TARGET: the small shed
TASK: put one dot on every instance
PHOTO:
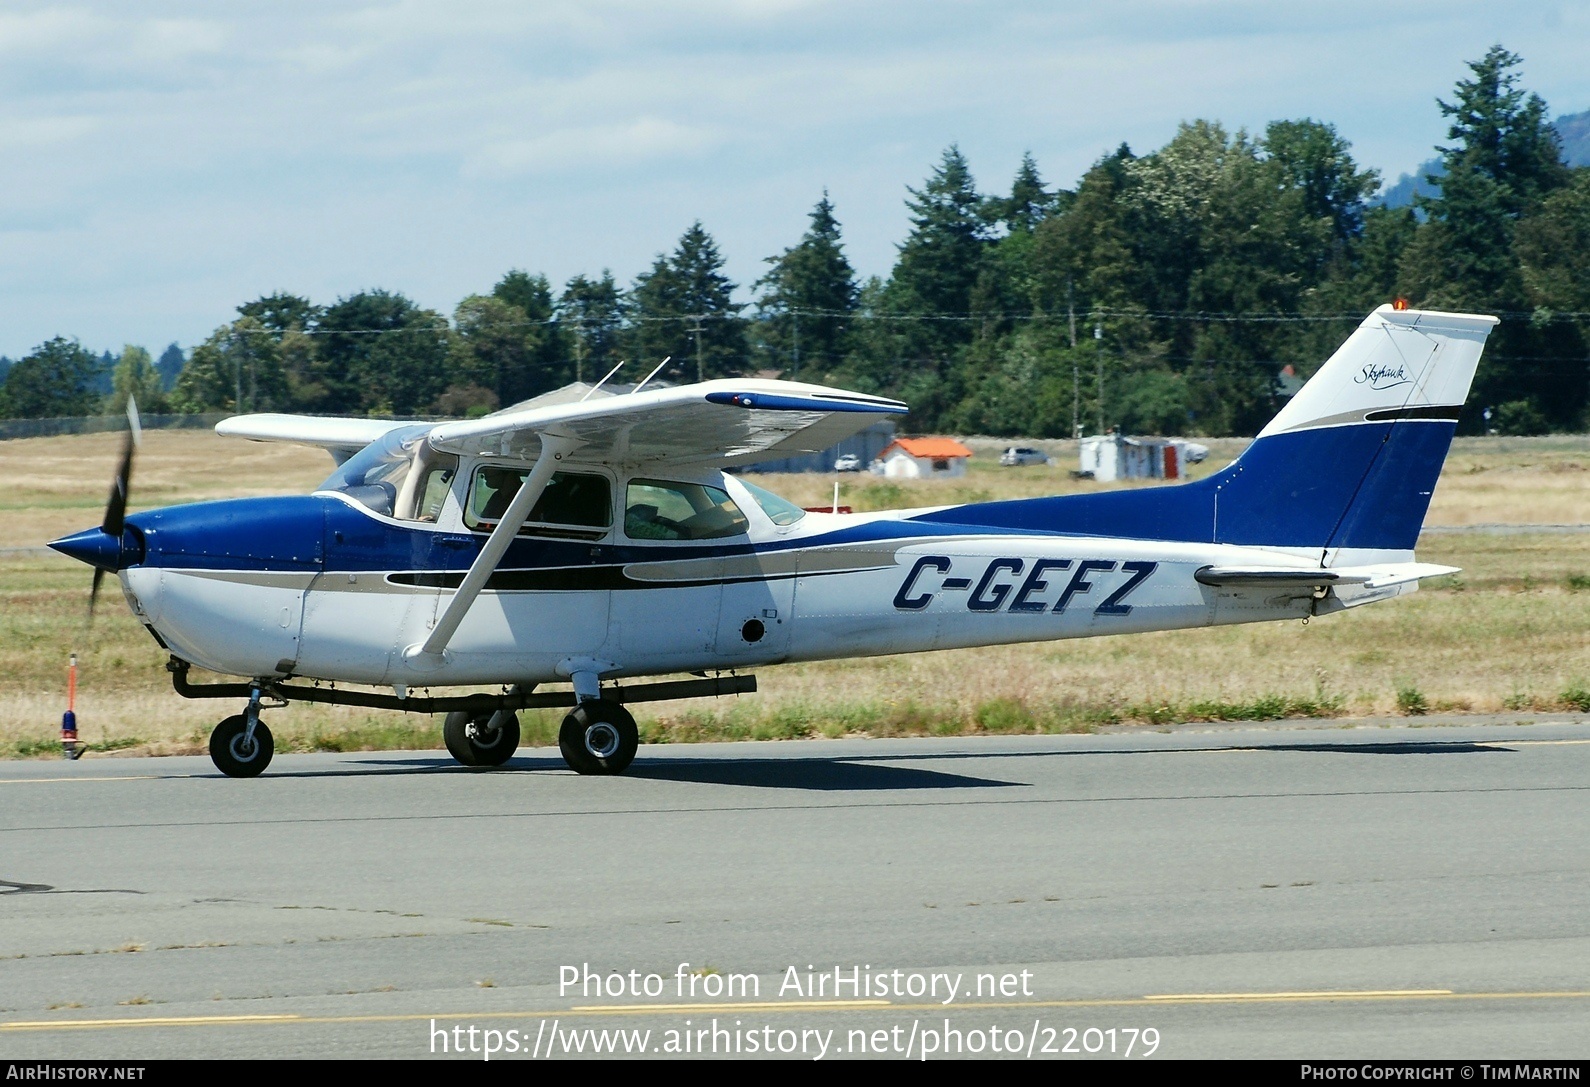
(1107, 457)
(923, 458)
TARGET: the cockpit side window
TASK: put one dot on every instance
(578, 504)
(432, 493)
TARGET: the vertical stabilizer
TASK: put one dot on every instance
(1343, 473)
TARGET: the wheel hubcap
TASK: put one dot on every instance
(601, 740)
(243, 748)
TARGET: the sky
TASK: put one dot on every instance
(163, 162)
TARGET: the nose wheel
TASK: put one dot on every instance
(482, 739)
(241, 752)
(241, 746)
(598, 737)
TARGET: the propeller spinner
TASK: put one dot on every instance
(110, 546)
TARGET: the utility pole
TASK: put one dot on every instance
(1076, 367)
(1098, 336)
(700, 370)
(795, 317)
(238, 348)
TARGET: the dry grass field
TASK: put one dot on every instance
(1512, 632)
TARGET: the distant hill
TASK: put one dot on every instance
(1573, 129)
(1575, 132)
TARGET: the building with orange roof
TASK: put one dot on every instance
(923, 458)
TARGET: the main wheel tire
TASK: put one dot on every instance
(598, 737)
(232, 752)
(482, 739)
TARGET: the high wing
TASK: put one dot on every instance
(714, 424)
(342, 438)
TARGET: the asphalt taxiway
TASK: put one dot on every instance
(1387, 891)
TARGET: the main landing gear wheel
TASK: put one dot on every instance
(599, 737)
(482, 739)
(235, 754)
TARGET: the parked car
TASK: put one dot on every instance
(848, 462)
(1019, 456)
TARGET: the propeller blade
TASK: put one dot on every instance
(116, 505)
(93, 593)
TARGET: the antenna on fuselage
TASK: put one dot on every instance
(651, 375)
(599, 384)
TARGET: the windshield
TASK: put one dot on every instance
(781, 511)
(375, 474)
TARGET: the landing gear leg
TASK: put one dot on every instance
(241, 746)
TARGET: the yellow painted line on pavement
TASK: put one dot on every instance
(597, 1011)
(112, 777)
(1528, 743)
(1320, 994)
(169, 1021)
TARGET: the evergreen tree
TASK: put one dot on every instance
(924, 319)
(1029, 202)
(1505, 157)
(545, 339)
(170, 364)
(1504, 160)
(939, 260)
(593, 311)
(57, 379)
(683, 307)
(102, 372)
(808, 299)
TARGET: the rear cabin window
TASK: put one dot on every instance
(658, 510)
(577, 504)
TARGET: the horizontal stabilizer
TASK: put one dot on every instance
(1370, 577)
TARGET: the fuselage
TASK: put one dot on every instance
(324, 586)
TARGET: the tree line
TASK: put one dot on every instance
(1169, 292)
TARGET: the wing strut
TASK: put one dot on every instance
(430, 654)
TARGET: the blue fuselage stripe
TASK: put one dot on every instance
(1359, 486)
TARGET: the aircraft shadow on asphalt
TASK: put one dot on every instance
(1411, 747)
(870, 773)
(822, 775)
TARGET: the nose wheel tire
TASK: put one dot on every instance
(482, 739)
(599, 737)
(235, 754)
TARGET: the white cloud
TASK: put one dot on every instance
(572, 150)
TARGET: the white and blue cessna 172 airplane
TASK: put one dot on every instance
(589, 542)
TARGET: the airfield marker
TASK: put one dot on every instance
(70, 748)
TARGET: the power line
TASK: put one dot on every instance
(1195, 316)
